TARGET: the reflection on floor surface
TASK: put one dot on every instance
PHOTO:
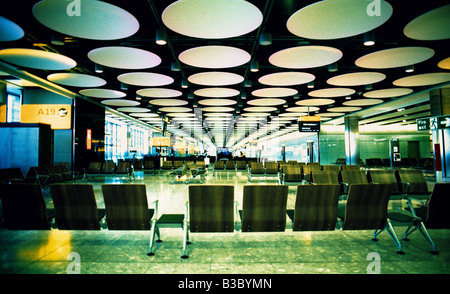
(348, 252)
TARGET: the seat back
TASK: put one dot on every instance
(24, 207)
(231, 164)
(211, 208)
(324, 177)
(353, 177)
(335, 168)
(108, 168)
(415, 178)
(123, 167)
(257, 167)
(384, 177)
(438, 207)
(271, 167)
(75, 206)
(126, 206)
(219, 164)
(264, 208)
(316, 207)
(366, 207)
(350, 167)
(94, 167)
(241, 164)
(292, 173)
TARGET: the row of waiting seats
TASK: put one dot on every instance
(37, 174)
(109, 168)
(212, 208)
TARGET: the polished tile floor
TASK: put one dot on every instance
(107, 252)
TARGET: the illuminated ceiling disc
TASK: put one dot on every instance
(216, 78)
(356, 79)
(396, 57)
(216, 19)
(217, 109)
(331, 114)
(257, 114)
(214, 57)
(349, 18)
(283, 79)
(37, 59)
(388, 93)
(145, 79)
(433, 25)
(217, 114)
(344, 109)
(9, 31)
(302, 109)
(266, 102)
(293, 115)
(120, 102)
(76, 80)
(260, 109)
(305, 57)
(445, 63)
(217, 92)
(332, 92)
(124, 57)
(102, 93)
(180, 114)
(159, 93)
(217, 102)
(362, 102)
(315, 102)
(423, 79)
(168, 102)
(145, 114)
(87, 19)
(175, 109)
(133, 109)
(274, 92)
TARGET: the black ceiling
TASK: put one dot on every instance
(275, 13)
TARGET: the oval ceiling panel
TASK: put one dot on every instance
(83, 19)
(9, 31)
(362, 102)
(216, 78)
(332, 92)
(120, 102)
(388, 93)
(76, 80)
(124, 57)
(102, 93)
(349, 18)
(212, 19)
(168, 102)
(423, 79)
(284, 79)
(217, 92)
(356, 79)
(145, 79)
(159, 93)
(214, 57)
(274, 92)
(37, 59)
(433, 25)
(217, 102)
(314, 102)
(396, 57)
(305, 57)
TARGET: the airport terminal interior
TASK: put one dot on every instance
(224, 137)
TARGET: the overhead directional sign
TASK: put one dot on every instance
(309, 124)
(433, 123)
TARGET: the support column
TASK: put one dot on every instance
(440, 105)
(351, 140)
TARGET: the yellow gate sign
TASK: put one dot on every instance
(58, 116)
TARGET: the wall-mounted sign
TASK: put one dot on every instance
(3, 113)
(309, 124)
(88, 139)
(433, 123)
(58, 116)
(161, 142)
